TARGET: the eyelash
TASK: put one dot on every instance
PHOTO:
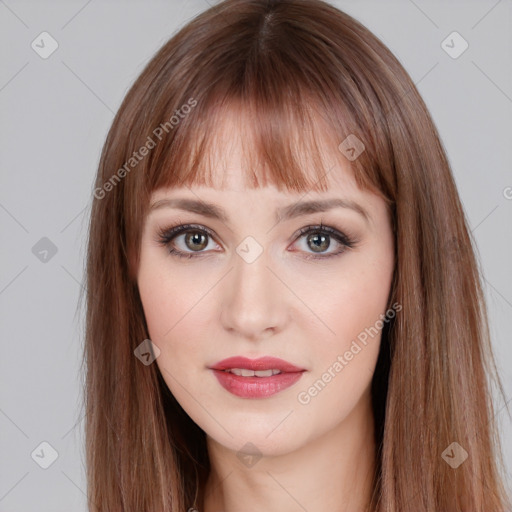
(166, 235)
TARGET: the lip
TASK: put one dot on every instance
(262, 363)
(256, 387)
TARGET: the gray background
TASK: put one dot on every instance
(55, 116)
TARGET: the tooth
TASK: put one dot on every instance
(244, 372)
(263, 373)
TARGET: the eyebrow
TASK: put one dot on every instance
(292, 211)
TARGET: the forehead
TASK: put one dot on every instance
(236, 155)
(231, 187)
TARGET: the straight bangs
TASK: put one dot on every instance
(286, 134)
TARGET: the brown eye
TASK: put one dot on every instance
(196, 240)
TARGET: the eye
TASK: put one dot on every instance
(319, 239)
(195, 239)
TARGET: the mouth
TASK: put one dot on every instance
(262, 364)
(244, 372)
(256, 378)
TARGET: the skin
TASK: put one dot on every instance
(314, 456)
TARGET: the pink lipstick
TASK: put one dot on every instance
(256, 378)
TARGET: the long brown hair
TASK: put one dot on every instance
(289, 64)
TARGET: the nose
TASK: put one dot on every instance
(254, 302)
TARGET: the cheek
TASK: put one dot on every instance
(175, 306)
(356, 305)
(348, 301)
(351, 314)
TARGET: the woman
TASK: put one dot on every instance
(284, 305)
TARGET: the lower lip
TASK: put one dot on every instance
(256, 387)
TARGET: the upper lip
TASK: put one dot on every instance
(262, 363)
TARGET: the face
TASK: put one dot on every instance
(248, 285)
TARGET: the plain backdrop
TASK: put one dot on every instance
(56, 112)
